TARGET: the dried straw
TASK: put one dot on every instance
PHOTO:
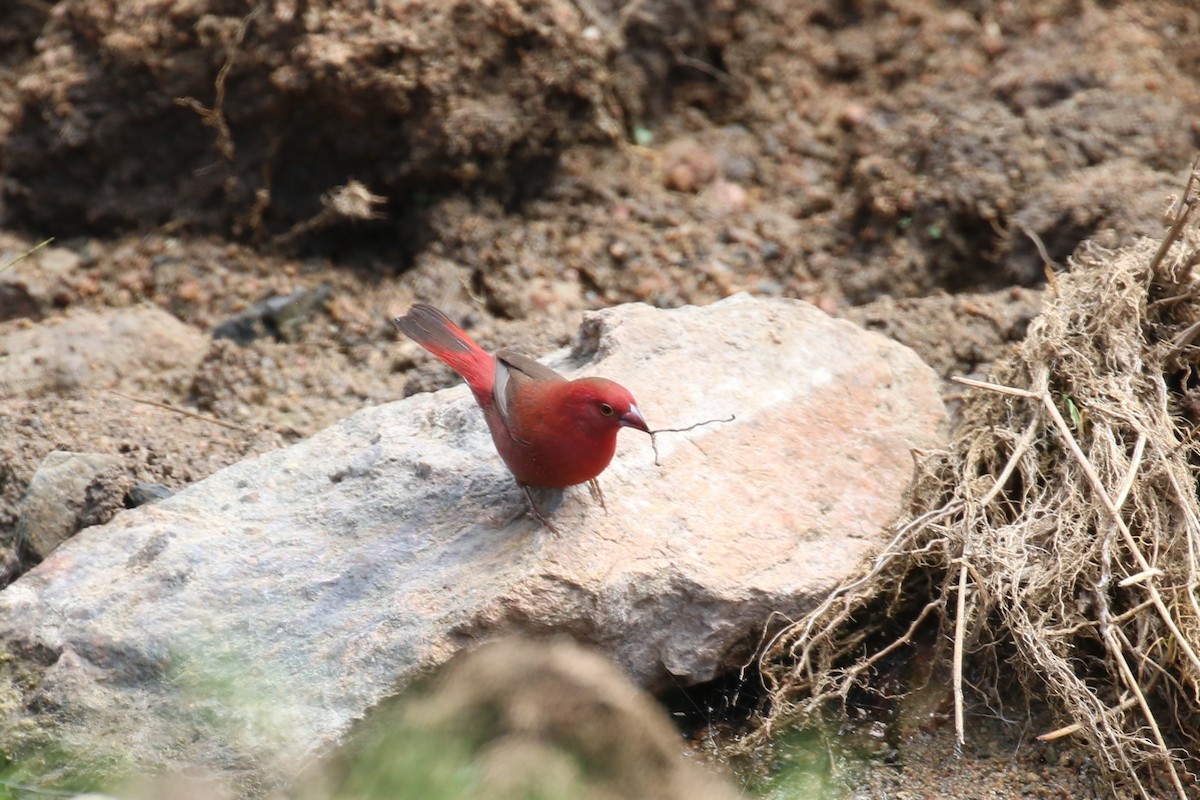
(1059, 533)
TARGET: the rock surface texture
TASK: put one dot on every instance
(246, 621)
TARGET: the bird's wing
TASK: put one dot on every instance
(513, 370)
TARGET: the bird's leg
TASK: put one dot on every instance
(534, 510)
(597, 493)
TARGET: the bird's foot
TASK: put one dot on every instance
(535, 511)
(597, 493)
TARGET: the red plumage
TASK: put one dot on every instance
(551, 432)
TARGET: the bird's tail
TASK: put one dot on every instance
(434, 331)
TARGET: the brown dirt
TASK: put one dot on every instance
(889, 161)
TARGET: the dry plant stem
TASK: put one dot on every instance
(654, 433)
(995, 387)
(1130, 542)
(852, 673)
(178, 410)
(1076, 727)
(1135, 462)
(27, 253)
(805, 633)
(960, 619)
(960, 624)
(215, 117)
(1185, 337)
(1061, 534)
(1153, 572)
(1132, 613)
(1187, 203)
(1194, 526)
(1112, 637)
(1010, 466)
(1048, 263)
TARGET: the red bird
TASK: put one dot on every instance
(551, 432)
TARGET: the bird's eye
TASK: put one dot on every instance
(606, 409)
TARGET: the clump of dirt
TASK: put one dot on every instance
(889, 147)
(256, 112)
(1062, 523)
(981, 323)
(949, 132)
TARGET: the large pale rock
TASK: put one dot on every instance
(245, 621)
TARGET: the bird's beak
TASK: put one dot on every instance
(634, 419)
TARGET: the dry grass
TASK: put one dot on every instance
(1061, 527)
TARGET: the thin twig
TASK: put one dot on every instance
(27, 253)
(1146, 574)
(1113, 634)
(1002, 479)
(854, 671)
(959, 634)
(1186, 203)
(1185, 337)
(1047, 262)
(1131, 613)
(654, 433)
(1131, 543)
(995, 387)
(802, 631)
(184, 411)
(1139, 449)
(1076, 727)
(214, 117)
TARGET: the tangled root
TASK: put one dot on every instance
(1059, 533)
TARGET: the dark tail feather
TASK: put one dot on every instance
(434, 331)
